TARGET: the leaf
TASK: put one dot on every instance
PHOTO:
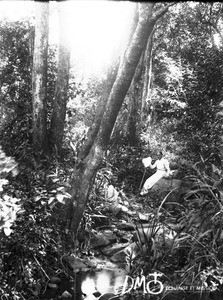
(55, 180)
(60, 188)
(215, 169)
(53, 191)
(203, 234)
(7, 231)
(60, 198)
(37, 198)
(51, 200)
(51, 175)
(52, 204)
(186, 237)
(21, 211)
(99, 216)
(67, 195)
(53, 285)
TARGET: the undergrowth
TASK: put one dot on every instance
(188, 251)
(33, 251)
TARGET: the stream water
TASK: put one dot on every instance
(99, 284)
(101, 281)
(92, 284)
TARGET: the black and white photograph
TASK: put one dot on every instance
(111, 149)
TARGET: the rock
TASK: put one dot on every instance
(103, 239)
(81, 264)
(77, 263)
(136, 207)
(165, 184)
(125, 254)
(53, 286)
(96, 294)
(55, 280)
(106, 296)
(115, 208)
(114, 249)
(108, 265)
(66, 295)
(120, 256)
(91, 262)
(145, 217)
(126, 226)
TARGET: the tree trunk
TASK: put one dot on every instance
(122, 121)
(134, 103)
(39, 77)
(147, 75)
(61, 90)
(93, 131)
(85, 172)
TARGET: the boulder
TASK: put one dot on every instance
(103, 239)
(126, 254)
(167, 184)
(111, 250)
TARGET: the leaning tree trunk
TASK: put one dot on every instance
(147, 75)
(86, 170)
(61, 90)
(111, 76)
(91, 136)
(39, 78)
(134, 103)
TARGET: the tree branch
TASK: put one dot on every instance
(162, 11)
(214, 26)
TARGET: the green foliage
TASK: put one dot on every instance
(212, 278)
(186, 82)
(15, 94)
(191, 247)
(9, 206)
(200, 222)
(81, 110)
(201, 123)
(201, 219)
(16, 51)
(127, 165)
(33, 252)
(146, 245)
(16, 47)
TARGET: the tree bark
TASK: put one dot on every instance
(85, 172)
(135, 95)
(147, 75)
(39, 77)
(61, 90)
(92, 133)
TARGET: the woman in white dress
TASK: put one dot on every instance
(163, 170)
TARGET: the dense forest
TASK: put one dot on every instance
(74, 221)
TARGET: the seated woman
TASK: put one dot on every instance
(163, 170)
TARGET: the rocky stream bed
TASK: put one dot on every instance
(105, 271)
